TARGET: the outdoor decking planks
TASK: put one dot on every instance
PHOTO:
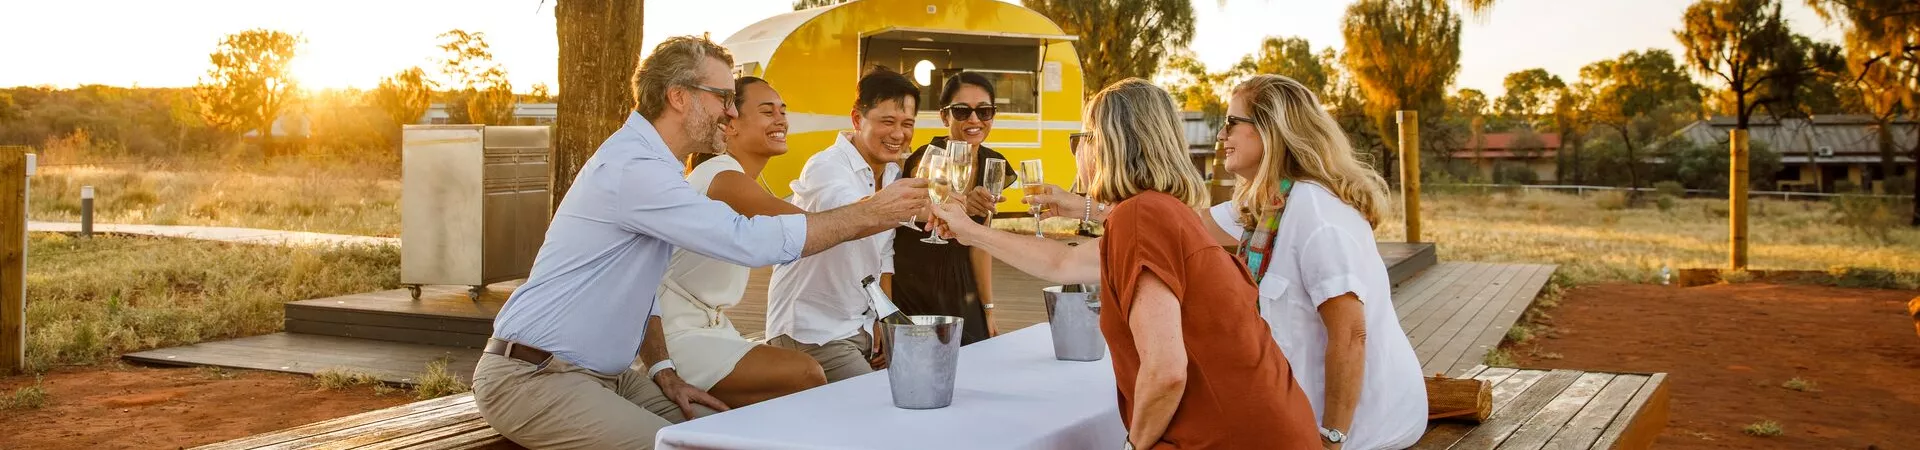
(1533, 409)
(1456, 312)
(1560, 409)
(307, 354)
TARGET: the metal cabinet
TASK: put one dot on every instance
(474, 203)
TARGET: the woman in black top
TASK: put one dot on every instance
(952, 279)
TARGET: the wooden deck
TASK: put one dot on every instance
(388, 334)
(1456, 312)
(1561, 409)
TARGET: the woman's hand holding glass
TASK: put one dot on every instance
(1056, 202)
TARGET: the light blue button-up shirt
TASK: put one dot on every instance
(592, 288)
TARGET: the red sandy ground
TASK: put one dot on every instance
(1727, 349)
(117, 406)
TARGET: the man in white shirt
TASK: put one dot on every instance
(819, 304)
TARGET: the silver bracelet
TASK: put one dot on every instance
(1086, 215)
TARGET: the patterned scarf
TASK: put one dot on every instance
(1256, 244)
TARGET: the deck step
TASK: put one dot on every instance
(444, 315)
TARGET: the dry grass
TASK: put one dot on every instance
(93, 299)
(26, 397)
(1799, 385)
(436, 382)
(1766, 428)
(358, 199)
(1592, 244)
(334, 379)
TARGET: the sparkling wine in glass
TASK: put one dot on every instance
(1033, 184)
(939, 188)
(994, 178)
(924, 171)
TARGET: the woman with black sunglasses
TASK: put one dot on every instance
(953, 279)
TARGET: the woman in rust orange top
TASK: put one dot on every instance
(1195, 365)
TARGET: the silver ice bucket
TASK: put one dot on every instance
(922, 358)
(1073, 311)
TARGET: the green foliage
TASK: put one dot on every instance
(1120, 39)
(251, 82)
(1872, 217)
(1705, 166)
(1514, 174)
(26, 397)
(1670, 189)
(99, 123)
(1194, 88)
(1292, 57)
(1402, 54)
(1531, 95)
(482, 93)
(404, 96)
(1635, 96)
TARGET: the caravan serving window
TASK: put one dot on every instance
(928, 58)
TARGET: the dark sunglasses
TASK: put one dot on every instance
(1236, 120)
(964, 112)
(726, 95)
(1074, 140)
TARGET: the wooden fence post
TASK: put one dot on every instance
(1410, 170)
(13, 258)
(1737, 201)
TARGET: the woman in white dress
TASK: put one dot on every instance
(706, 349)
(1324, 290)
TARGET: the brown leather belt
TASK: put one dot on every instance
(517, 350)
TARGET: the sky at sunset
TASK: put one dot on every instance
(355, 42)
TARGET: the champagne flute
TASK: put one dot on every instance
(1032, 184)
(994, 178)
(939, 188)
(923, 171)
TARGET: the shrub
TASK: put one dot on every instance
(1670, 189)
(1766, 428)
(436, 382)
(332, 379)
(1611, 200)
(1664, 202)
(1871, 217)
(27, 397)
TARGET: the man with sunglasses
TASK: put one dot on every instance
(559, 369)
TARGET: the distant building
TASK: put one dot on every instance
(1536, 152)
(523, 114)
(1835, 147)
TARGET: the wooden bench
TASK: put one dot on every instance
(1532, 409)
(1561, 409)
(445, 423)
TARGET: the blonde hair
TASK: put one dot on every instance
(1303, 143)
(1138, 145)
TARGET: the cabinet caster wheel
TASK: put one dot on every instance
(413, 291)
(475, 292)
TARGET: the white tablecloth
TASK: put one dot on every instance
(1009, 393)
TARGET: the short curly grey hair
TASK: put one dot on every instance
(675, 62)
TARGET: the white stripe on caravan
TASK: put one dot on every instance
(798, 123)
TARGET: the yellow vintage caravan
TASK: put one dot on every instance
(815, 58)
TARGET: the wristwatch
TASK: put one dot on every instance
(1332, 436)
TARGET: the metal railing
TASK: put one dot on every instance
(1582, 190)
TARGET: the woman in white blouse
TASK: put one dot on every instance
(695, 293)
(1307, 229)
